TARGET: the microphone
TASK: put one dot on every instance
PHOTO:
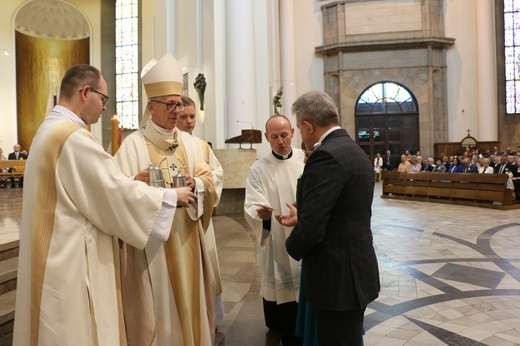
(243, 122)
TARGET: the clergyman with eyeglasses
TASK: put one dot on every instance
(76, 205)
(181, 281)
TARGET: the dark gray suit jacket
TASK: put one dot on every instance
(333, 235)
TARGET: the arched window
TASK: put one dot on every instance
(386, 97)
(387, 118)
(127, 63)
(512, 54)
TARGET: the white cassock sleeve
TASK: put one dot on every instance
(162, 227)
(255, 194)
(106, 197)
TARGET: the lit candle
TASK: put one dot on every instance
(115, 142)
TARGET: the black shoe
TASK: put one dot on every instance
(291, 341)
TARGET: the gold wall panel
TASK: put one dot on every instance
(40, 66)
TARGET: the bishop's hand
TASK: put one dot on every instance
(190, 182)
(184, 196)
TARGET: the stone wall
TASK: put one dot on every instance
(366, 42)
(236, 164)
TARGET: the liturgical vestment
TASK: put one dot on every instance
(76, 204)
(180, 271)
(272, 182)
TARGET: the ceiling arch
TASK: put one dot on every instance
(52, 19)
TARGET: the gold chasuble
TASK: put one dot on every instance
(69, 288)
(180, 271)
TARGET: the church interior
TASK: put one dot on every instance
(417, 75)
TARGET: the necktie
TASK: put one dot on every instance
(501, 169)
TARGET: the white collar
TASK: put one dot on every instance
(282, 157)
(163, 131)
(325, 135)
(58, 112)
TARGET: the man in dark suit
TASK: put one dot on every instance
(332, 232)
(469, 167)
(388, 161)
(17, 154)
(427, 166)
(447, 162)
(492, 161)
(504, 166)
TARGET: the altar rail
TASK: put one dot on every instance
(17, 173)
(480, 190)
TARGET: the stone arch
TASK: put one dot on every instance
(387, 117)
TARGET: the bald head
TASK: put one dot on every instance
(277, 118)
(279, 133)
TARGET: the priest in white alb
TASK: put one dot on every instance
(271, 183)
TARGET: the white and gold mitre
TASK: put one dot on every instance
(160, 78)
(163, 77)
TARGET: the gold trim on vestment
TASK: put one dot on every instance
(122, 329)
(42, 224)
(155, 138)
(163, 89)
(185, 251)
(138, 297)
(183, 236)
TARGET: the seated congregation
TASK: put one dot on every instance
(496, 183)
(12, 167)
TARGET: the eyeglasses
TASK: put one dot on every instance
(104, 98)
(171, 105)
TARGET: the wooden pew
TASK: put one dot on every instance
(481, 190)
(17, 173)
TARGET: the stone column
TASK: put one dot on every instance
(288, 62)
(287, 54)
(486, 72)
(240, 67)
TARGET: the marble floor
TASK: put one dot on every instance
(450, 275)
